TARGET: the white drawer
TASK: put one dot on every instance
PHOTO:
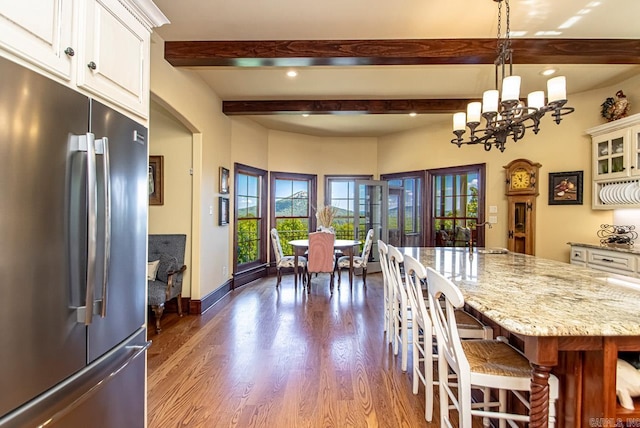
(578, 254)
(612, 261)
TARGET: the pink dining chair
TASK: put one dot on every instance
(320, 258)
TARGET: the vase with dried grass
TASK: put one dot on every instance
(325, 216)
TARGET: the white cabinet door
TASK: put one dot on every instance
(39, 32)
(113, 59)
(610, 155)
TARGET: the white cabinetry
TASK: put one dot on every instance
(606, 259)
(40, 33)
(113, 56)
(616, 163)
(99, 47)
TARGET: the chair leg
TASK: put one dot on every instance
(364, 276)
(279, 277)
(339, 275)
(179, 302)
(158, 310)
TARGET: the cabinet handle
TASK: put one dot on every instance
(69, 51)
(92, 65)
(607, 260)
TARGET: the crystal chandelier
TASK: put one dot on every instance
(510, 117)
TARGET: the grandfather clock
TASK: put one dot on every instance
(522, 191)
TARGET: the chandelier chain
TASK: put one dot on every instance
(508, 117)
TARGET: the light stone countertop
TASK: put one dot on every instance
(533, 296)
(631, 250)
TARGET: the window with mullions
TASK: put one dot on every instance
(406, 215)
(340, 192)
(455, 207)
(291, 201)
(251, 223)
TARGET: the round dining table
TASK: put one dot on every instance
(346, 246)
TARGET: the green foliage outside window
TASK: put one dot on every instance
(248, 239)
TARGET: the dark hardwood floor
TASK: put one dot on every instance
(267, 357)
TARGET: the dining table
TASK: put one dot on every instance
(566, 319)
(348, 247)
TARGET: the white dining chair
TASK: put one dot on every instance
(387, 288)
(283, 261)
(401, 310)
(477, 364)
(423, 334)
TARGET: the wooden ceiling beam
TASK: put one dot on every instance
(288, 53)
(392, 106)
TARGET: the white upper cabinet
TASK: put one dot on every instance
(40, 33)
(616, 163)
(99, 47)
(113, 57)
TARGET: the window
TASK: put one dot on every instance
(457, 197)
(292, 196)
(340, 192)
(250, 221)
(406, 215)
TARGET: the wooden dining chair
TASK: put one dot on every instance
(320, 258)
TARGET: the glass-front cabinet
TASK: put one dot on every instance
(611, 157)
(616, 149)
(616, 163)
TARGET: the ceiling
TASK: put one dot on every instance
(329, 26)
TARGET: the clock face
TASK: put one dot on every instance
(520, 179)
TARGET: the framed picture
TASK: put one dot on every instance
(565, 188)
(224, 180)
(156, 193)
(223, 211)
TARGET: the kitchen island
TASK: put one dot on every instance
(566, 318)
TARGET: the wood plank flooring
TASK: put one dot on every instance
(279, 357)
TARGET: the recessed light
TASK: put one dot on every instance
(549, 71)
(305, 114)
(413, 114)
(292, 73)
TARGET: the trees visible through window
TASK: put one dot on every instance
(251, 224)
(341, 192)
(406, 209)
(292, 196)
(455, 201)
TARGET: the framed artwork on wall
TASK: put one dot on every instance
(155, 180)
(223, 211)
(224, 180)
(565, 188)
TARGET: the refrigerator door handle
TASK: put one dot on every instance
(102, 148)
(86, 143)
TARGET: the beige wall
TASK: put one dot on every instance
(191, 101)
(170, 139)
(322, 156)
(558, 148)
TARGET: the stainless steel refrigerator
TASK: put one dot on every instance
(73, 236)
